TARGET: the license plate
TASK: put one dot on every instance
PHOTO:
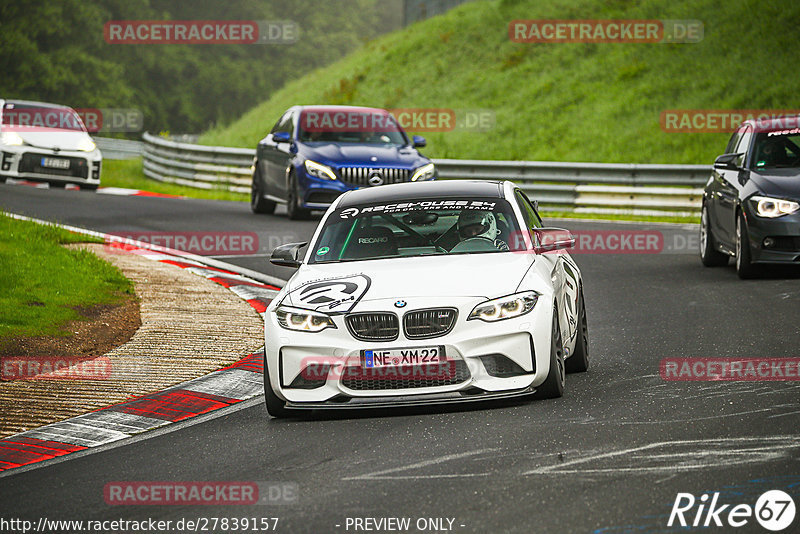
(55, 163)
(399, 357)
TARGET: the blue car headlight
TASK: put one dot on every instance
(318, 170)
(506, 307)
(426, 172)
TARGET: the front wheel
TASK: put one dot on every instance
(579, 361)
(553, 386)
(293, 201)
(744, 265)
(709, 255)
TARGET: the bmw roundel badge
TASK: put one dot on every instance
(400, 304)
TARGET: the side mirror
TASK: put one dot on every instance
(552, 239)
(726, 161)
(419, 141)
(281, 137)
(286, 255)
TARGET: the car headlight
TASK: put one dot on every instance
(303, 320)
(774, 207)
(505, 307)
(86, 145)
(11, 139)
(318, 170)
(426, 172)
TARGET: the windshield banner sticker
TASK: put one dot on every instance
(422, 205)
(334, 296)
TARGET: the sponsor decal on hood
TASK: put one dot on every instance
(332, 296)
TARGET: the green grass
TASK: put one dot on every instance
(128, 174)
(560, 102)
(41, 282)
(694, 219)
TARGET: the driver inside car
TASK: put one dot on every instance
(473, 224)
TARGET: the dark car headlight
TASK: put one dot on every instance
(773, 207)
(318, 170)
(303, 320)
(505, 307)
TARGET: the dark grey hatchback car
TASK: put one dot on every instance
(751, 203)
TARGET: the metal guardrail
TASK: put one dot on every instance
(630, 188)
(119, 148)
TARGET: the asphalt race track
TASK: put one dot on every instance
(610, 456)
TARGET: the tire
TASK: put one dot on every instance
(744, 265)
(709, 255)
(579, 361)
(553, 386)
(276, 407)
(296, 213)
(259, 204)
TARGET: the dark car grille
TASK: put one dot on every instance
(421, 324)
(360, 175)
(373, 326)
(406, 377)
(32, 162)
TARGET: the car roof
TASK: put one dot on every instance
(417, 190)
(323, 107)
(35, 103)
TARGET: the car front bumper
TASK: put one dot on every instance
(783, 231)
(525, 341)
(25, 163)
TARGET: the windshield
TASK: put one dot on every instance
(418, 228)
(777, 149)
(32, 117)
(350, 126)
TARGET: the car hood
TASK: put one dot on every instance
(778, 182)
(335, 154)
(474, 275)
(61, 139)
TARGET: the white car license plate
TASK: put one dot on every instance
(400, 357)
(55, 163)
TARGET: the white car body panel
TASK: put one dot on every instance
(460, 281)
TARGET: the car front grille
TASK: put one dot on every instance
(360, 176)
(434, 322)
(32, 163)
(373, 326)
(405, 377)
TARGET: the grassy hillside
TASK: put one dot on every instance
(556, 101)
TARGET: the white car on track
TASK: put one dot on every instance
(47, 143)
(421, 293)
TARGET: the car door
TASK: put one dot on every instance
(562, 276)
(728, 190)
(274, 157)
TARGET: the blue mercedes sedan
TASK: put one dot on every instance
(315, 153)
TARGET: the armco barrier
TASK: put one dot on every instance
(582, 187)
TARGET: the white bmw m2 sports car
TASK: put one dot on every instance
(421, 293)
